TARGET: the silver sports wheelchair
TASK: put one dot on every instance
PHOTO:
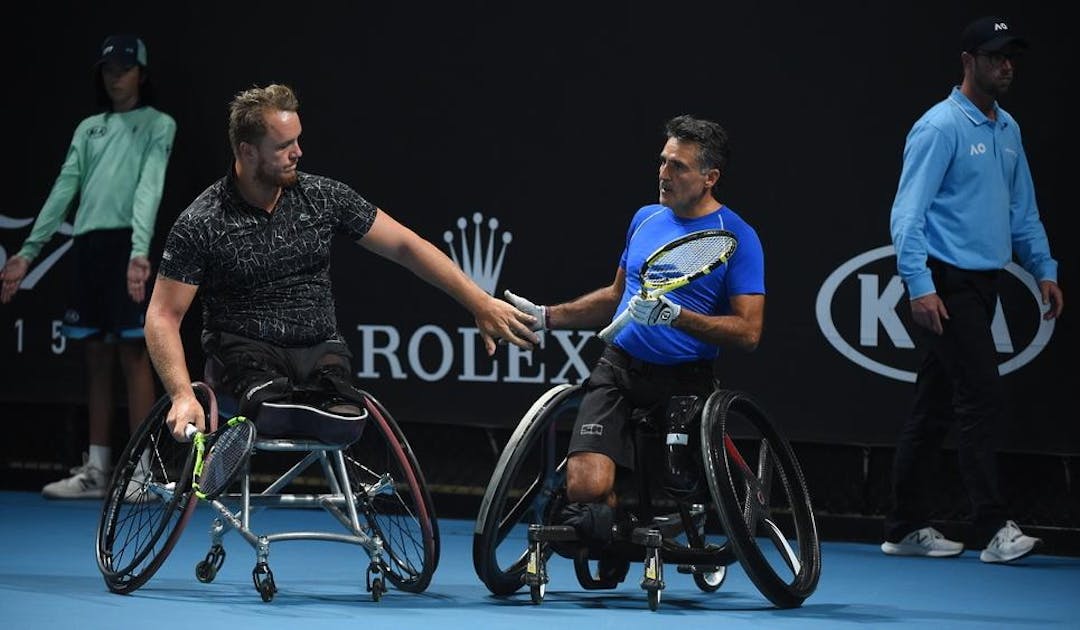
(751, 504)
(367, 479)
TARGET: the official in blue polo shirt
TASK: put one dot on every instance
(964, 208)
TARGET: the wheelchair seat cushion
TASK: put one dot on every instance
(299, 420)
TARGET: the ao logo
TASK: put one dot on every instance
(878, 310)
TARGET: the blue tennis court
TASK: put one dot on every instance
(49, 579)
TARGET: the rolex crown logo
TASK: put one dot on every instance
(478, 263)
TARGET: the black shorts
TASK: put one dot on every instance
(238, 365)
(99, 306)
(620, 391)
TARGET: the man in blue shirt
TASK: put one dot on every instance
(670, 346)
(964, 207)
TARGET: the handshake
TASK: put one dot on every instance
(658, 311)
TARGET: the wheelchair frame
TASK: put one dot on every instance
(528, 489)
(374, 489)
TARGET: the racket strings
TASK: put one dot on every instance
(225, 458)
(687, 258)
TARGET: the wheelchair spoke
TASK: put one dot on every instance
(780, 541)
(757, 497)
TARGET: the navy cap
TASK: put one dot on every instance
(126, 50)
(989, 33)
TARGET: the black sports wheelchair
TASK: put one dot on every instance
(730, 489)
(358, 467)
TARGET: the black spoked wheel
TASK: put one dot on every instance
(762, 498)
(149, 501)
(527, 487)
(393, 499)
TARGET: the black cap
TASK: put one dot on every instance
(991, 34)
(126, 50)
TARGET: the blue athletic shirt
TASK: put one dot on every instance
(651, 228)
(966, 197)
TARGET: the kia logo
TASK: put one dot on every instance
(876, 317)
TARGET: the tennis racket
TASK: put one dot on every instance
(220, 456)
(677, 264)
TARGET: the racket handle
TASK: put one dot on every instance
(612, 329)
(190, 431)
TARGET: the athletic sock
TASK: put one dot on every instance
(100, 457)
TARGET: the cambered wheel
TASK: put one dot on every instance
(527, 487)
(762, 498)
(393, 500)
(149, 500)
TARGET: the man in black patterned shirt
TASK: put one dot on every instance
(256, 247)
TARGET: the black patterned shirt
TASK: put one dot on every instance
(266, 275)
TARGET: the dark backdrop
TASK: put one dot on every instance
(546, 122)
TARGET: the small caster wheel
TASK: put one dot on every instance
(264, 581)
(267, 590)
(710, 582)
(654, 599)
(537, 591)
(208, 568)
(205, 572)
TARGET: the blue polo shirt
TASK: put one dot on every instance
(966, 197)
(651, 228)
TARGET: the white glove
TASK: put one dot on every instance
(527, 307)
(659, 311)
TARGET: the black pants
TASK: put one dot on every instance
(957, 383)
(252, 371)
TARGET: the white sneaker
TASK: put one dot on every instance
(86, 482)
(1008, 544)
(924, 542)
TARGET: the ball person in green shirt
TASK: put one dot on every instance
(115, 168)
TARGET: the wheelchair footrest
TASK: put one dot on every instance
(698, 569)
(586, 578)
(552, 533)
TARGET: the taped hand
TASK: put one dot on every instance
(527, 307)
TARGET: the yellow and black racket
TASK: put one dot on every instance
(677, 264)
(220, 456)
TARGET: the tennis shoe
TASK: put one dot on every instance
(86, 482)
(1009, 544)
(927, 542)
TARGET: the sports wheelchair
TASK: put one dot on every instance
(371, 484)
(753, 492)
